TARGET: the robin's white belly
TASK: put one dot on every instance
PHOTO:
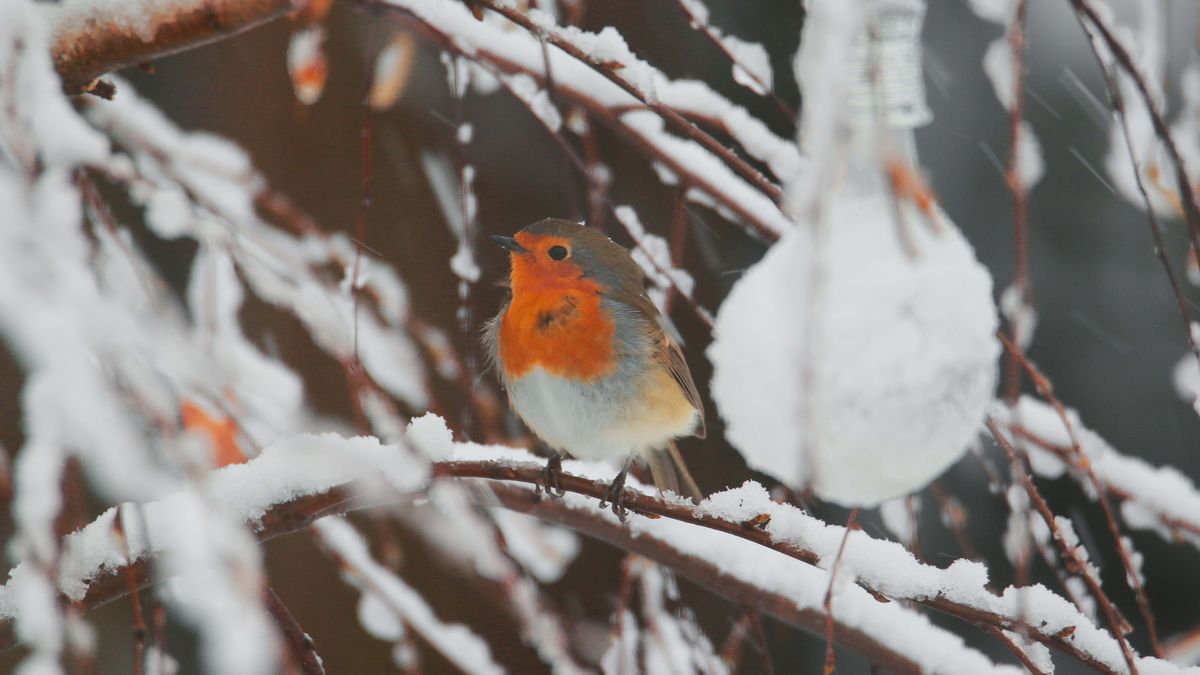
(611, 417)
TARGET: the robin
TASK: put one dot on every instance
(586, 359)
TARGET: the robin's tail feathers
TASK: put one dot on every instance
(671, 474)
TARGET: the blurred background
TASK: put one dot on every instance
(1108, 332)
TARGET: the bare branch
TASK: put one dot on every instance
(299, 644)
(1094, 30)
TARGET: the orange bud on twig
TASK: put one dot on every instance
(222, 433)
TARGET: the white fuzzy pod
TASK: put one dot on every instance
(846, 365)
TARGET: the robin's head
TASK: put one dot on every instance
(554, 252)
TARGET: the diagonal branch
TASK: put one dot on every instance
(588, 85)
(613, 74)
(1094, 30)
(1075, 562)
(91, 39)
(1191, 210)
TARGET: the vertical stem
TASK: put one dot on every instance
(1012, 176)
(830, 659)
(139, 623)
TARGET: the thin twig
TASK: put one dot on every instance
(1066, 550)
(139, 622)
(1156, 230)
(668, 113)
(1012, 176)
(1079, 460)
(364, 207)
(1191, 211)
(298, 643)
(830, 658)
(1015, 649)
(707, 31)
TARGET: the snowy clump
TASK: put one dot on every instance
(1187, 375)
(843, 363)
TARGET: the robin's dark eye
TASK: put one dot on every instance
(557, 252)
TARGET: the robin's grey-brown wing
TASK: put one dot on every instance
(670, 356)
(611, 265)
(678, 368)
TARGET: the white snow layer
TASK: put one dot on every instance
(308, 464)
(386, 591)
(845, 364)
(278, 267)
(292, 468)
(884, 566)
(1186, 374)
(525, 52)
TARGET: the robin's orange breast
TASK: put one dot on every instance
(563, 329)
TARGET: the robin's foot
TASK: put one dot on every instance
(551, 480)
(616, 495)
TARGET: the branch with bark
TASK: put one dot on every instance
(92, 39)
(663, 535)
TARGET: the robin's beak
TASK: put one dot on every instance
(509, 243)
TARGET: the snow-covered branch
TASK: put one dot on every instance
(1158, 499)
(593, 70)
(91, 38)
(739, 543)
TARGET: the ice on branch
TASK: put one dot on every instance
(393, 65)
(1187, 375)
(751, 63)
(453, 191)
(307, 64)
(884, 567)
(667, 637)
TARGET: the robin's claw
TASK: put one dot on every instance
(551, 480)
(615, 496)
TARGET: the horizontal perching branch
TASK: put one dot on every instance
(296, 514)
